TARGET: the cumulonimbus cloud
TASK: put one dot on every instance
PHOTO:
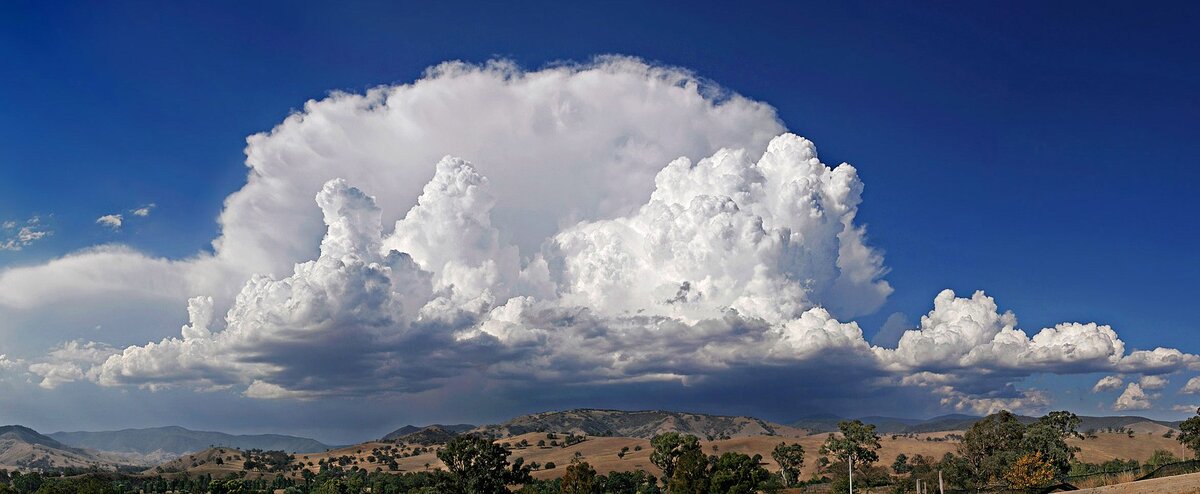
(568, 242)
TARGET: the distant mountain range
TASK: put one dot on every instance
(957, 421)
(175, 441)
(638, 424)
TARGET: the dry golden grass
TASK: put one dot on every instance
(1179, 484)
(602, 452)
(1103, 480)
(1120, 446)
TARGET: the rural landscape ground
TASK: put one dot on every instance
(551, 443)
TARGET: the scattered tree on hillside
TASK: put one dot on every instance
(736, 473)
(790, 458)
(901, 464)
(479, 466)
(690, 472)
(668, 448)
(991, 445)
(580, 478)
(857, 446)
(1189, 434)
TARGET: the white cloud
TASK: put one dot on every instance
(1108, 383)
(1150, 383)
(562, 144)
(15, 238)
(558, 249)
(267, 391)
(71, 361)
(375, 312)
(767, 239)
(1132, 399)
(1186, 409)
(113, 221)
(142, 211)
(1192, 386)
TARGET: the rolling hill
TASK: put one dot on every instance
(953, 422)
(22, 448)
(175, 441)
(409, 430)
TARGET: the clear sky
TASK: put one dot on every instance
(1040, 151)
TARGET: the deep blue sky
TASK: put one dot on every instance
(1042, 151)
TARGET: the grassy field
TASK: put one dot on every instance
(603, 453)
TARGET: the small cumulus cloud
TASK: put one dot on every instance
(1108, 383)
(1192, 386)
(1132, 399)
(15, 236)
(143, 211)
(1150, 383)
(113, 221)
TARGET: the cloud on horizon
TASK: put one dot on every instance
(522, 227)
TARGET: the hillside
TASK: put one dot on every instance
(427, 436)
(412, 429)
(638, 424)
(894, 425)
(175, 441)
(22, 448)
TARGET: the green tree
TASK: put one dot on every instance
(668, 448)
(736, 473)
(82, 485)
(991, 445)
(1064, 422)
(857, 445)
(789, 457)
(901, 464)
(636, 482)
(1051, 442)
(479, 466)
(580, 478)
(1189, 434)
(1161, 457)
(690, 472)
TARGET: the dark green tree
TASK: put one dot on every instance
(1189, 434)
(668, 448)
(580, 478)
(857, 445)
(690, 472)
(789, 457)
(991, 445)
(478, 466)
(736, 473)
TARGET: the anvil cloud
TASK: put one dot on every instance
(610, 223)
